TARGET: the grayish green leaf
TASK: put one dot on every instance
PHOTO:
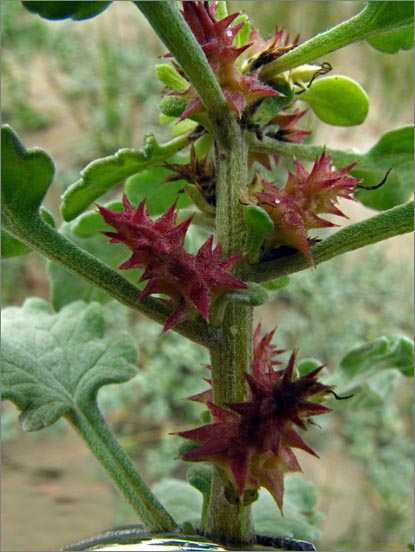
(54, 363)
(300, 517)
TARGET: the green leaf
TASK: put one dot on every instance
(271, 105)
(173, 106)
(373, 371)
(180, 499)
(279, 283)
(26, 175)
(259, 226)
(393, 41)
(337, 100)
(170, 77)
(64, 10)
(386, 16)
(394, 150)
(10, 247)
(299, 517)
(254, 296)
(54, 363)
(242, 36)
(100, 175)
(159, 194)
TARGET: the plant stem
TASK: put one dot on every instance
(35, 233)
(93, 429)
(394, 222)
(368, 22)
(228, 523)
(172, 29)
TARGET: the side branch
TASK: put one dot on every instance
(40, 236)
(394, 222)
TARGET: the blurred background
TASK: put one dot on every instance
(83, 90)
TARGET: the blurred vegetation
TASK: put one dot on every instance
(106, 84)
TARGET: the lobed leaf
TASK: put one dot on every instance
(337, 100)
(78, 11)
(170, 77)
(26, 175)
(188, 508)
(395, 150)
(373, 371)
(54, 363)
(392, 42)
(300, 517)
(100, 175)
(159, 194)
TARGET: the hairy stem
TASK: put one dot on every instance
(93, 429)
(172, 29)
(38, 235)
(394, 222)
(368, 22)
(229, 523)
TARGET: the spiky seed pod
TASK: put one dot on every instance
(295, 208)
(216, 39)
(158, 246)
(253, 440)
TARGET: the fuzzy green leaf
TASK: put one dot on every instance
(395, 150)
(11, 247)
(77, 11)
(100, 175)
(373, 371)
(183, 501)
(54, 363)
(271, 105)
(337, 100)
(259, 226)
(393, 41)
(173, 106)
(159, 194)
(387, 16)
(299, 519)
(170, 77)
(26, 175)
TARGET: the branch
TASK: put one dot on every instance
(37, 234)
(176, 35)
(394, 222)
(375, 18)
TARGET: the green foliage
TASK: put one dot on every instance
(189, 506)
(56, 363)
(300, 515)
(77, 11)
(259, 226)
(26, 176)
(170, 77)
(395, 150)
(313, 303)
(372, 372)
(338, 100)
(159, 194)
(387, 16)
(393, 41)
(270, 106)
(299, 519)
(100, 175)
